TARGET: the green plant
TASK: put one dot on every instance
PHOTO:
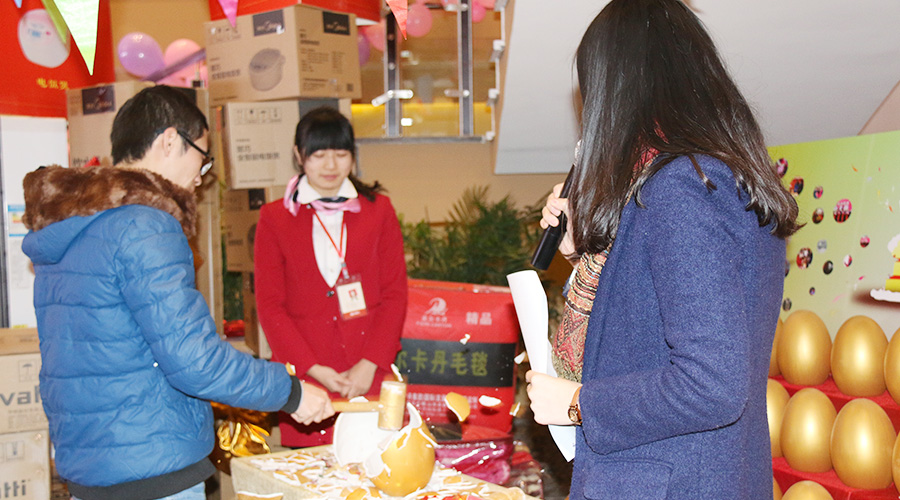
(482, 241)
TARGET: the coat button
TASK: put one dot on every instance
(330, 293)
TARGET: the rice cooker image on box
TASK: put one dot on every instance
(265, 69)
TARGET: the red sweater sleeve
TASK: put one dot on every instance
(271, 297)
(383, 343)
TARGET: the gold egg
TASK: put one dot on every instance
(806, 431)
(776, 399)
(804, 349)
(895, 464)
(857, 357)
(776, 490)
(807, 490)
(892, 367)
(773, 360)
(862, 441)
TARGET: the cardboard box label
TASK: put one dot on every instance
(98, 100)
(25, 462)
(20, 396)
(335, 23)
(268, 23)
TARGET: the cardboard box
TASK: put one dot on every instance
(254, 336)
(258, 139)
(295, 52)
(25, 462)
(240, 215)
(207, 247)
(20, 396)
(91, 111)
(19, 341)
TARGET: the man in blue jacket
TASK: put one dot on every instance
(129, 351)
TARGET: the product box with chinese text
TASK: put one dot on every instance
(20, 396)
(295, 52)
(25, 465)
(240, 215)
(258, 139)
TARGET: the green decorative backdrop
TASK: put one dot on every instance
(866, 171)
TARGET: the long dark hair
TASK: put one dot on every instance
(650, 77)
(326, 128)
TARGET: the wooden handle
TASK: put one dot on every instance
(347, 406)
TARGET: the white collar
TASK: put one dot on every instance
(307, 194)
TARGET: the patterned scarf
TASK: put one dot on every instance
(568, 342)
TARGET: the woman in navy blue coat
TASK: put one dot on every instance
(677, 232)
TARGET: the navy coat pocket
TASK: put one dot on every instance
(627, 479)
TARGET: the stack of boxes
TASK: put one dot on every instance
(24, 437)
(265, 72)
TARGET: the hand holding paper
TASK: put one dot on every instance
(531, 308)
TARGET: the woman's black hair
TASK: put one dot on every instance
(650, 77)
(326, 128)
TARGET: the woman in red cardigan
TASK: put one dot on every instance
(331, 284)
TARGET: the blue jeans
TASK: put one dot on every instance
(196, 492)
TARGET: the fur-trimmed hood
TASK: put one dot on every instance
(53, 194)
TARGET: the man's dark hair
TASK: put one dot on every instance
(148, 114)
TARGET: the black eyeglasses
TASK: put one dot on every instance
(208, 159)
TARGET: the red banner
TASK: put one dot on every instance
(366, 9)
(39, 67)
(460, 338)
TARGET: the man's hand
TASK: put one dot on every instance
(315, 406)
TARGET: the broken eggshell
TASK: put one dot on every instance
(404, 462)
(357, 436)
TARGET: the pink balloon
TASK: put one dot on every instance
(478, 12)
(139, 54)
(362, 44)
(176, 51)
(418, 20)
(487, 4)
(376, 35)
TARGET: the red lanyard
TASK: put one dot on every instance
(337, 249)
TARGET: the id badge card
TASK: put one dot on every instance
(350, 297)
